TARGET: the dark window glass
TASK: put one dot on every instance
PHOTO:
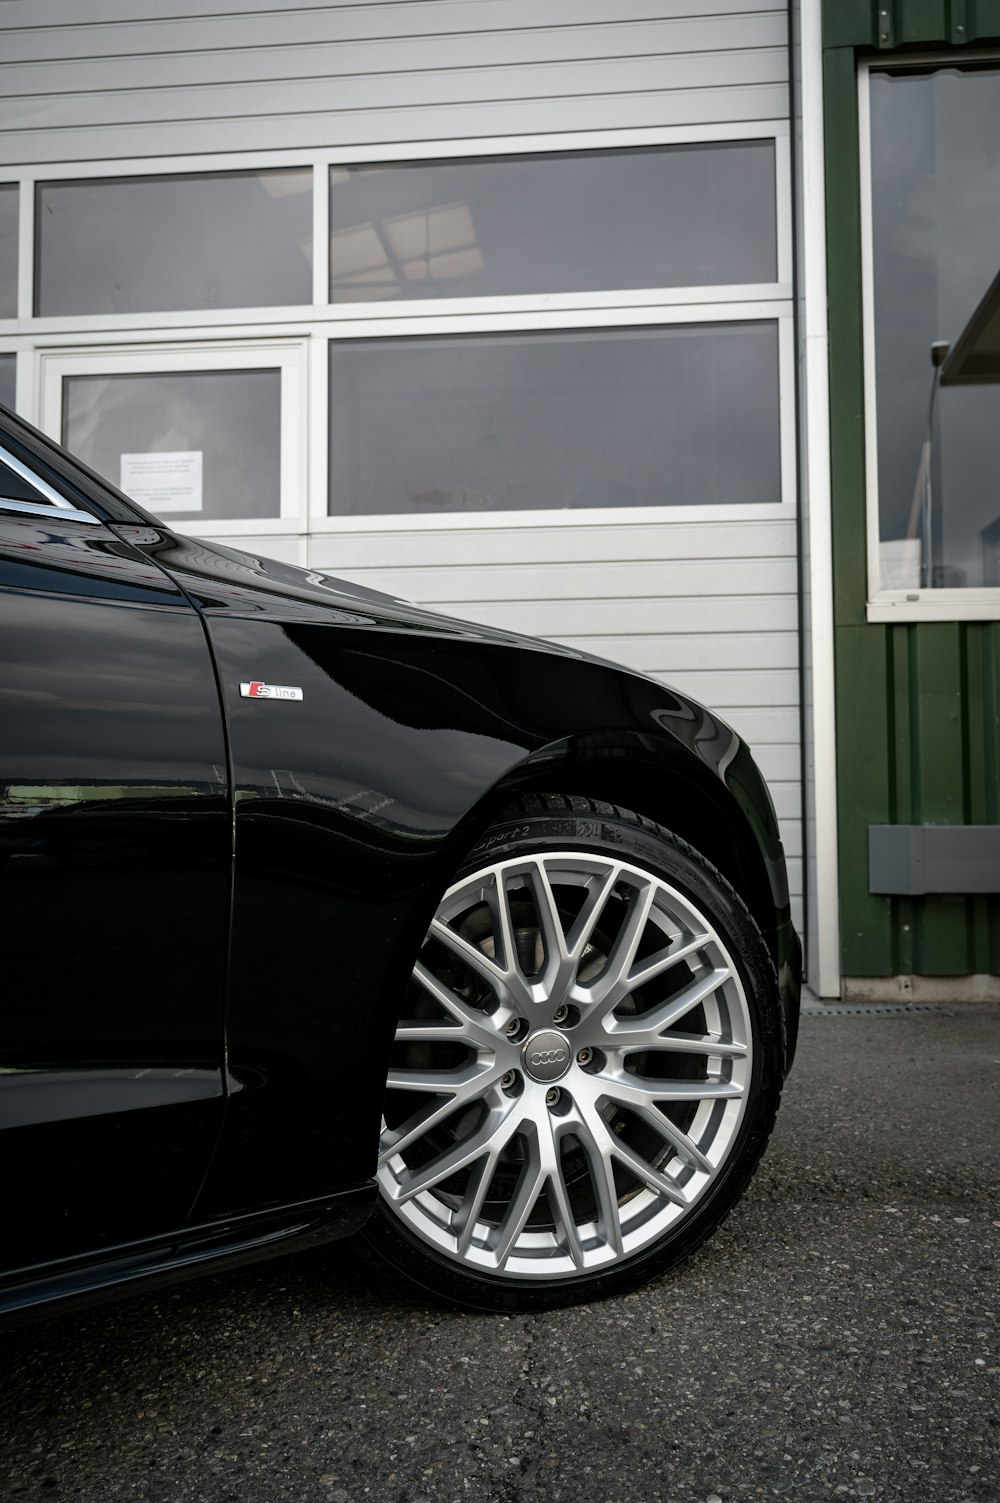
(9, 198)
(936, 236)
(14, 487)
(189, 446)
(670, 216)
(647, 417)
(159, 244)
(8, 379)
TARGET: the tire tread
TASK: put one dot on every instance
(377, 1239)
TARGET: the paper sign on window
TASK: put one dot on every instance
(164, 482)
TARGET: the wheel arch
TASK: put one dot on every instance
(665, 783)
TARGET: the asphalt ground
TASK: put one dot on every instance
(837, 1338)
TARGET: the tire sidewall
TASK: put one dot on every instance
(638, 842)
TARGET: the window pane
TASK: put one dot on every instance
(651, 417)
(14, 487)
(217, 435)
(156, 244)
(670, 216)
(9, 197)
(936, 227)
(8, 379)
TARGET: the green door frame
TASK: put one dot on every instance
(918, 705)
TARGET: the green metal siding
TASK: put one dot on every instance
(918, 706)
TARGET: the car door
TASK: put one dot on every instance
(115, 859)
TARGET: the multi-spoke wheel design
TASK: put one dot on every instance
(571, 1072)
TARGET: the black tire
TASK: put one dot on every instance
(414, 1237)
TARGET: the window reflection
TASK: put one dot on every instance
(209, 439)
(8, 379)
(672, 216)
(9, 198)
(936, 239)
(676, 415)
(158, 244)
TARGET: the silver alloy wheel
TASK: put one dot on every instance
(515, 1162)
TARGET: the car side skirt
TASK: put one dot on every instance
(53, 1288)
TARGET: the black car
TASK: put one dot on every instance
(326, 915)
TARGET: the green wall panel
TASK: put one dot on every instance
(886, 24)
(918, 706)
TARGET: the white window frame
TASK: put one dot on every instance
(39, 341)
(10, 180)
(286, 356)
(456, 323)
(975, 604)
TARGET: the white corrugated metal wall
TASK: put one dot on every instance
(702, 598)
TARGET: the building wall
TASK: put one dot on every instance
(704, 597)
(112, 78)
(918, 703)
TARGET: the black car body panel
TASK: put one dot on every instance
(355, 804)
(343, 814)
(114, 838)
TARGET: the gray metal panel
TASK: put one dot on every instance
(448, 122)
(131, 26)
(915, 859)
(131, 79)
(330, 59)
(349, 93)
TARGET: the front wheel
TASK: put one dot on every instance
(586, 1069)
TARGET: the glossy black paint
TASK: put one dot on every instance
(114, 889)
(356, 805)
(344, 816)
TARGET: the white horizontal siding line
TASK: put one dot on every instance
(703, 115)
(576, 639)
(742, 689)
(628, 618)
(598, 535)
(706, 515)
(787, 801)
(403, 149)
(721, 580)
(775, 713)
(387, 552)
(490, 559)
(406, 582)
(351, 93)
(456, 605)
(777, 609)
(777, 764)
(767, 717)
(600, 526)
(726, 570)
(791, 836)
(660, 655)
(228, 15)
(199, 118)
(544, 44)
(338, 73)
(632, 521)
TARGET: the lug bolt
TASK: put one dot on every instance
(513, 1027)
(551, 1097)
(584, 1056)
(507, 1079)
(561, 1014)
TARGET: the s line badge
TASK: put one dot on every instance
(257, 690)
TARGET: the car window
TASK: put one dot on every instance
(15, 486)
(21, 490)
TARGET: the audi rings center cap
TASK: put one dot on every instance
(546, 1055)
